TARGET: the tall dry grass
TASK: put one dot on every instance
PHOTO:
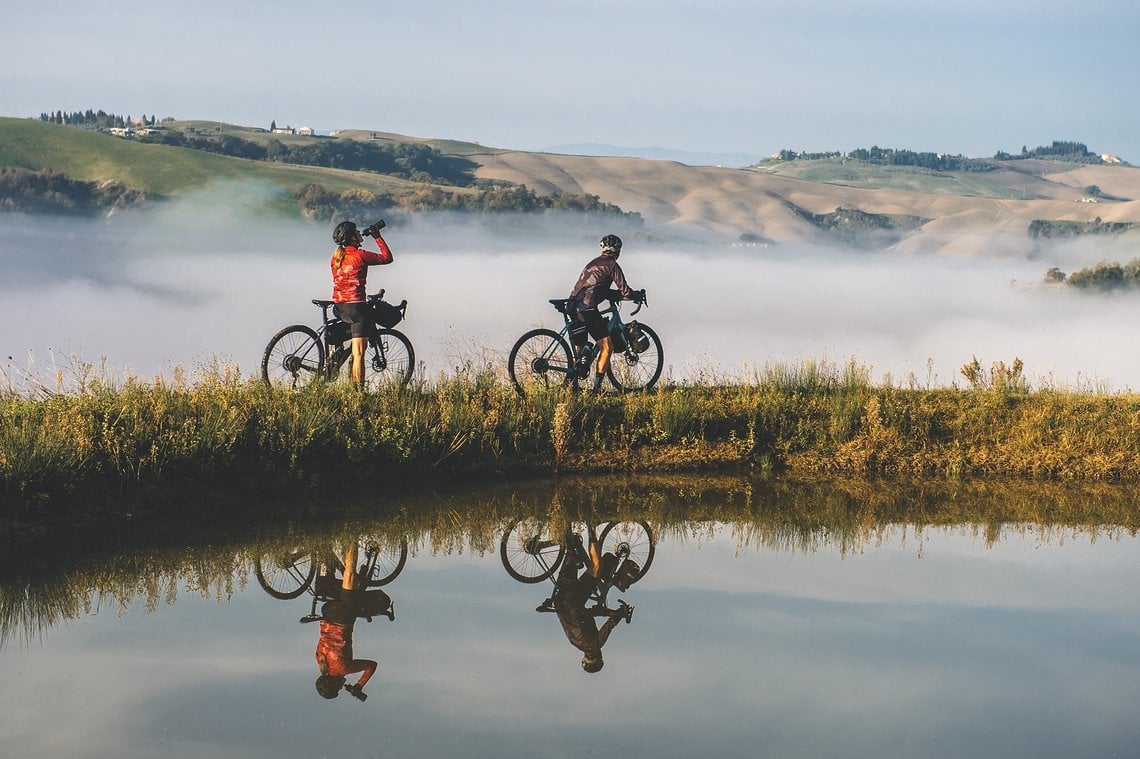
(215, 431)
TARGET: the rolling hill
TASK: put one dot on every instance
(905, 208)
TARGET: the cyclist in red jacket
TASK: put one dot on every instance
(349, 266)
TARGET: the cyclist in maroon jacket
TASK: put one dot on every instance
(596, 283)
(349, 266)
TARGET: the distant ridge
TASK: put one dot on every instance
(690, 158)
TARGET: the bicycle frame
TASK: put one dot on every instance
(614, 324)
(337, 351)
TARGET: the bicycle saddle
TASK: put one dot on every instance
(562, 305)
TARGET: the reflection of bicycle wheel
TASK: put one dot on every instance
(380, 563)
(286, 573)
(528, 553)
(633, 540)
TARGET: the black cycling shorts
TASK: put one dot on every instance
(357, 315)
(597, 326)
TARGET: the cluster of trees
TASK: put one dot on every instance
(870, 231)
(48, 192)
(792, 155)
(318, 203)
(895, 157)
(1105, 276)
(1043, 229)
(418, 163)
(1060, 150)
(94, 119)
(925, 160)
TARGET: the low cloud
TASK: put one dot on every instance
(208, 277)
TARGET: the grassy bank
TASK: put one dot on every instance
(105, 447)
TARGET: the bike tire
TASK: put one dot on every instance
(638, 536)
(527, 552)
(389, 359)
(293, 359)
(630, 371)
(285, 574)
(539, 360)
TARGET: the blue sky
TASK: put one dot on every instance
(962, 76)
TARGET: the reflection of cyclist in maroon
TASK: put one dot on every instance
(334, 647)
(573, 591)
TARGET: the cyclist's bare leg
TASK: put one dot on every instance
(359, 345)
(605, 350)
(595, 550)
(348, 582)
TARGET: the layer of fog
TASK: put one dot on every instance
(197, 282)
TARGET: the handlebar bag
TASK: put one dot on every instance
(386, 315)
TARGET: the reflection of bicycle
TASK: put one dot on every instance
(530, 555)
(543, 358)
(298, 355)
(289, 572)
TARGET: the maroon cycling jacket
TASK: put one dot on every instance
(349, 281)
(599, 276)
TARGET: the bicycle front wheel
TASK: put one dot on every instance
(631, 370)
(285, 573)
(389, 359)
(540, 359)
(381, 561)
(632, 540)
(528, 553)
(293, 358)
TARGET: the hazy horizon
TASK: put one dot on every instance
(199, 280)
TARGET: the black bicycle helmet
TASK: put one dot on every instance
(345, 233)
(611, 244)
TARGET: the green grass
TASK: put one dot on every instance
(95, 157)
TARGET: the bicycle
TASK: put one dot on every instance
(530, 555)
(299, 355)
(544, 358)
(288, 572)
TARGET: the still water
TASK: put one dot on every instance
(809, 619)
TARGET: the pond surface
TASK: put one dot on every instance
(814, 620)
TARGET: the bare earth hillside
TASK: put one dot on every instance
(732, 202)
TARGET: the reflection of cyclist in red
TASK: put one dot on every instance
(573, 591)
(334, 647)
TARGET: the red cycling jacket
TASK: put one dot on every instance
(349, 281)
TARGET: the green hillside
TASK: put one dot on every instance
(97, 157)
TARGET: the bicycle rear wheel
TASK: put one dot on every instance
(293, 358)
(631, 370)
(633, 540)
(528, 553)
(539, 360)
